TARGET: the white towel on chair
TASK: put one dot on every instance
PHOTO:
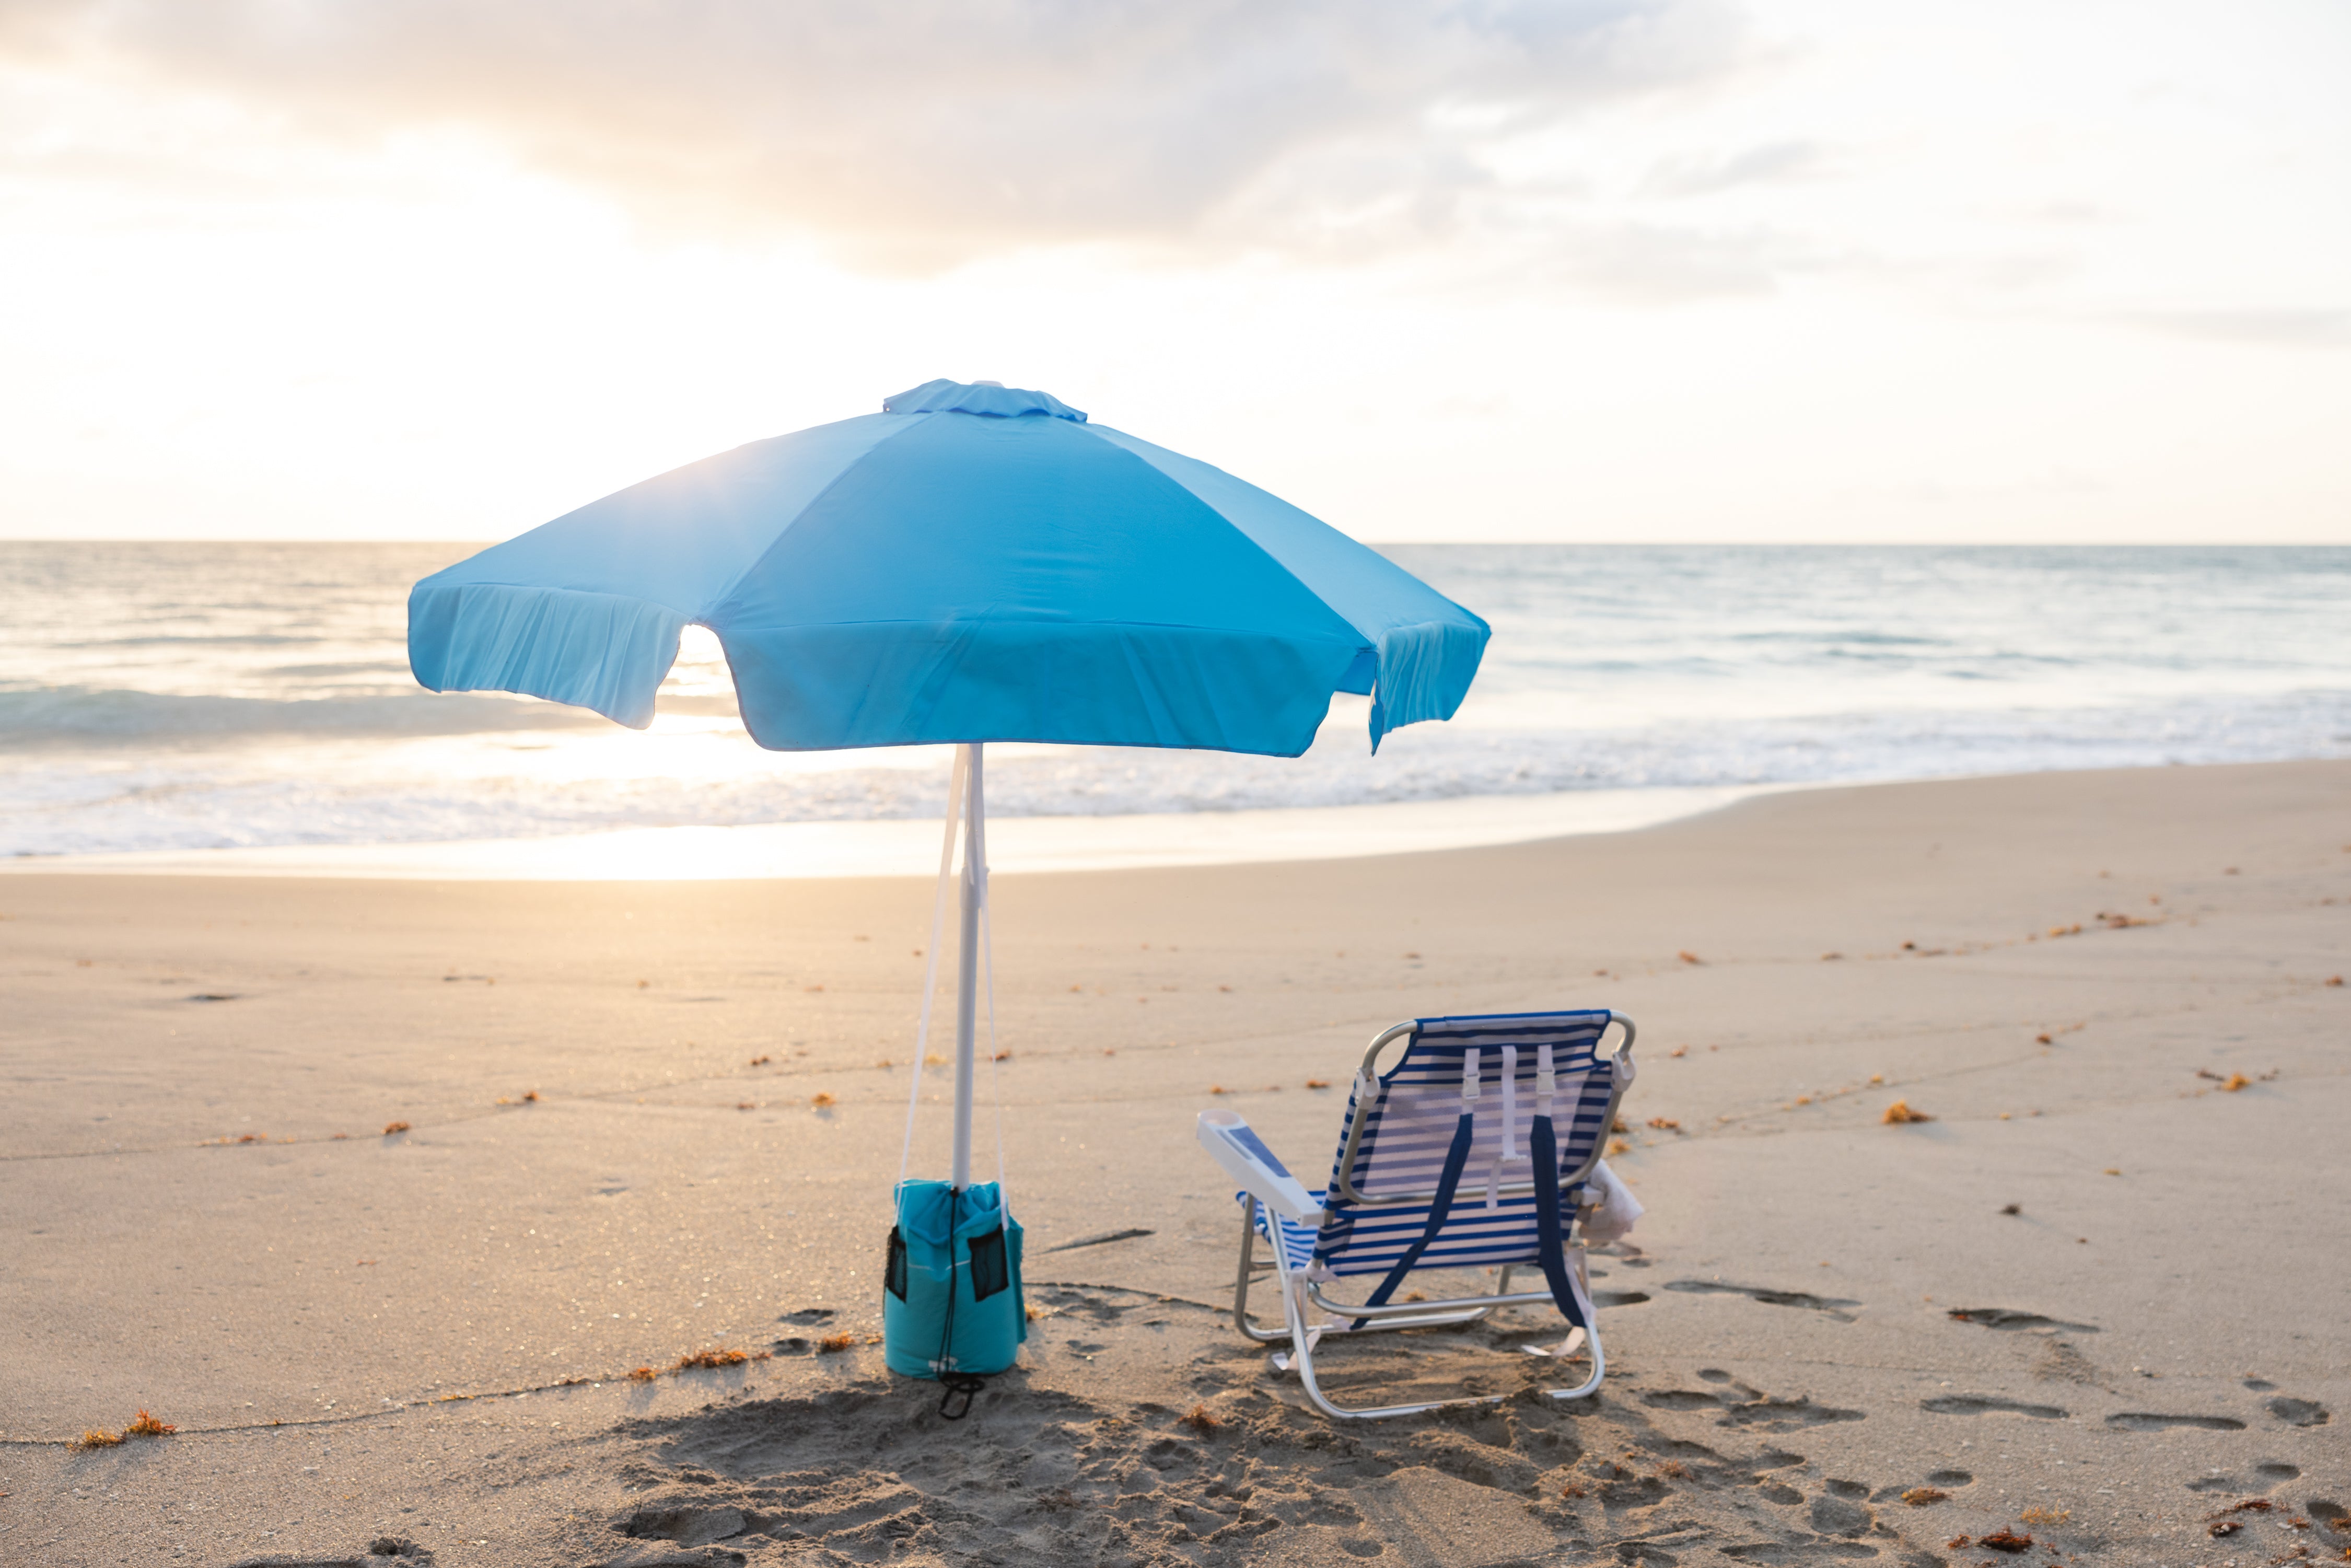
(1617, 1209)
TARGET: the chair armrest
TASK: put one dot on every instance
(1244, 1155)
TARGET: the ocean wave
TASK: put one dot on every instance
(82, 715)
(189, 696)
(68, 805)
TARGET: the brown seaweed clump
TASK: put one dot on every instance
(711, 1359)
(1899, 1112)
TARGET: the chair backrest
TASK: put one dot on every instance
(1402, 1123)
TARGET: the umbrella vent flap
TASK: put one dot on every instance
(987, 398)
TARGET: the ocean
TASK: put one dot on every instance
(198, 698)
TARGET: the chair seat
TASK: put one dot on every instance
(1370, 1241)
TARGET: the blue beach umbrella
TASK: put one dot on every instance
(973, 563)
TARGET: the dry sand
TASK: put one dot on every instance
(424, 1337)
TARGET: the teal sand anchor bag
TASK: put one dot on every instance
(952, 1305)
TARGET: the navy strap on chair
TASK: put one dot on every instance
(1457, 1159)
(1551, 1248)
(1551, 1231)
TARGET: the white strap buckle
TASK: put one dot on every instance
(1511, 1154)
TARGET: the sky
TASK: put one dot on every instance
(1610, 270)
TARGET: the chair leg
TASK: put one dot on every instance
(1241, 1280)
(1303, 1360)
(1599, 1366)
(1579, 1263)
(1293, 1314)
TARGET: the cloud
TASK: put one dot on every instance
(1766, 163)
(2288, 329)
(931, 130)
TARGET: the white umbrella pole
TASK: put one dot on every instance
(974, 882)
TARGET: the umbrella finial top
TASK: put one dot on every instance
(991, 400)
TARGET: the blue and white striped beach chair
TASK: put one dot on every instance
(1473, 1151)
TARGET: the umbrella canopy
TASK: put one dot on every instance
(974, 563)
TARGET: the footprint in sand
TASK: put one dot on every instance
(1757, 1409)
(1830, 1305)
(1839, 1516)
(2149, 1421)
(2300, 1412)
(384, 1551)
(2010, 1320)
(1683, 1399)
(1068, 1303)
(685, 1523)
(1809, 1552)
(1785, 1414)
(2273, 1473)
(1985, 1405)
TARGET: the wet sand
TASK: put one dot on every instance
(425, 1335)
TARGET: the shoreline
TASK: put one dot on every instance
(903, 847)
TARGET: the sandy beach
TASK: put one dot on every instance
(2098, 1299)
